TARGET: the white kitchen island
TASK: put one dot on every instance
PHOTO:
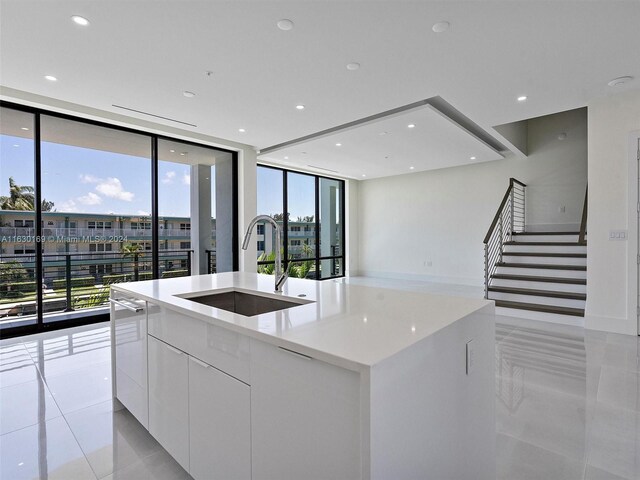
(351, 383)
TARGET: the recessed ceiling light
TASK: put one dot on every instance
(338, 144)
(353, 66)
(80, 20)
(472, 158)
(363, 175)
(16, 145)
(285, 24)
(51, 78)
(300, 107)
(241, 130)
(183, 153)
(383, 133)
(411, 125)
(522, 98)
(616, 82)
(172, 151)
(208, 73)
(411, 168)
(440, 27)
(188, 94)
(25, 129)
(286, 158)
(562, 136)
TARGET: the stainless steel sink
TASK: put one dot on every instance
(244, 303)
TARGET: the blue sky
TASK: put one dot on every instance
(93, 181)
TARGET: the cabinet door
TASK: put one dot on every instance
(129, 352)
(168, 399)
(219, 424)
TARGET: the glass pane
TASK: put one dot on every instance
(301, 201)
(17, 220)
(269, 197)
(331, 241)
(98, 181)
(303, 269)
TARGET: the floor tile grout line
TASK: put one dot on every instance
(84, 454)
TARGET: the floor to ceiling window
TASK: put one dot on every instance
(84, 205)
(313, 227)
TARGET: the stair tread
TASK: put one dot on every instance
(535, 278)
(539, 293)
(544, 254)
(578, 312)
(544, 266)
(556, 244)
(546, 233)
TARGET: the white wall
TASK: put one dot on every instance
(609, 263)
(442, 216)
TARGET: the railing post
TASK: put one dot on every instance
(135, 267)
(501, 237)
(189, 263)
(486, 271)
(67, 276)
(512, 212)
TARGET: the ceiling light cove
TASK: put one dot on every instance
(300, 107)
(440, 27)
(188, 94)
(522, 98)
(80, 20)
(353, 66)
(51, 78)
(285, 24)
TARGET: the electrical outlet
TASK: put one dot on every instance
(618, 235)
(470, 357)
(561, 209)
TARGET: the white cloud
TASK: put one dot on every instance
(90, 199)
(68, 206)
(186, 179)
(88, 178)
(168, 177)
(112, 187)
(143, 213)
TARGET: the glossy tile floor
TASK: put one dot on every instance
(567, 407)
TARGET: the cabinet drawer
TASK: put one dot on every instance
(226, 350)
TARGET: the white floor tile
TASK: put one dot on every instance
(26, 404)
(159, 466)
(83, 388)
(110, 440)
(47, 450)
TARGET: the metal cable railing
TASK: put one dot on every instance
(509, 219)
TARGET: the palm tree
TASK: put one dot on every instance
(22, 197)
(133, 250)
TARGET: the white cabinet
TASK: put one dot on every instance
(169, 399)
(305, 417)
(129, 353)
(219, 424)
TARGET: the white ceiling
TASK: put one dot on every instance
(389, 147)
(144, 54)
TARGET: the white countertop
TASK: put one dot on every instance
(349, 325)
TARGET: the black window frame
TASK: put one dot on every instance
(40, 324)
(316, 223)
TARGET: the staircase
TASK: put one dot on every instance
(526, 271)
(542, 272)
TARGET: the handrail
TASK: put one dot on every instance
(504, 200)
(509, 219)
(583, 222)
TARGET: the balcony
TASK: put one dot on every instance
(87, 234)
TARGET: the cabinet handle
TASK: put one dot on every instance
(174, 349)
(200, 362)
(296, 353)
(136, 309)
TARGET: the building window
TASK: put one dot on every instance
(260, 229)
(313, 226)
(141, 225)
(185, 226)
(23, 223)
(185, 245)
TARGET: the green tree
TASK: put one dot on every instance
(133, 250)
(13, 272)
(22, 197)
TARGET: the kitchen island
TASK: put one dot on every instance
(342, 382)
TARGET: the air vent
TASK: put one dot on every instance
(154, 115)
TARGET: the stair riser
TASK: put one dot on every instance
(545, 317)
(559, 287)
(542, 272)
(546, 248)
(545, 260)
(558, 302)
(546, 238)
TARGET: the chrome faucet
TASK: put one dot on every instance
(281, 276)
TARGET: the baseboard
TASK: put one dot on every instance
(468, 281)
(624, 326)
(553, 227)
